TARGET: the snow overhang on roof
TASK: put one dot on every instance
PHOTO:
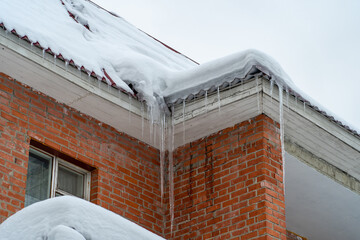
(92, 72)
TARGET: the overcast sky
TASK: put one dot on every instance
(317, 42)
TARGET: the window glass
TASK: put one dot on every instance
(70, 181)
(50, 176)
(38, 183)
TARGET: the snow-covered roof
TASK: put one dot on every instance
(101, 43)
(105, 45)
(95, 40)
(70, 218)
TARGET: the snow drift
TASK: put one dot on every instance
(70, 218)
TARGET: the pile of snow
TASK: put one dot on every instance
(70, 218)
(214, 73)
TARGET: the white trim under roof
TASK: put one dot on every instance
(68, 85)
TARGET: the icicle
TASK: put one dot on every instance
(173, 130)
(154, 134)
(142, 120)
(287, 98)
(162, 154)
(88, 79)
(55, 59)
(66, 65)
(257, 94)
(151, 121)
(281, 113)
(219, 100)
(304, 107)
(31, 45)
(43, 53)
(130, 108)
(206, 101)
(79, 69)
(183, 121)
(271, 88)
(171, 171)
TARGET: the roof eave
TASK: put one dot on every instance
(70, 86)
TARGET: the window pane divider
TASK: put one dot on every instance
(54, 176)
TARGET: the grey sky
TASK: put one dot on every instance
(316, 42)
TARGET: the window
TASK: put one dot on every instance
(49, 175)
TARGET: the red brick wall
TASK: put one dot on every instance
(230, 185)
(126, 179)
(227, 185)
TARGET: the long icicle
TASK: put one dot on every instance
(151, 121)
(271, 88)
(142, 120)
(162, 154)
(287, 97)
(257, 94)
(183, 121)
(171, 171)
(281, 113)
(130, 102)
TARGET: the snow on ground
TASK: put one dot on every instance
(70, 218)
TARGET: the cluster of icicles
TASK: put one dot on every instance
(166, 127)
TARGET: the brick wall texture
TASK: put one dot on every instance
(126, 179)
(230, 185)
(227, 185)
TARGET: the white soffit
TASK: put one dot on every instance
(204, 117)
(316, 206)
(68, 85)
(314, 132)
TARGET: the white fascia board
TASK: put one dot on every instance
(198, 120)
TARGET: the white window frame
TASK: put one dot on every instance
(56, 161)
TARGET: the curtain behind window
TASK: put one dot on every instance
(38, 182)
